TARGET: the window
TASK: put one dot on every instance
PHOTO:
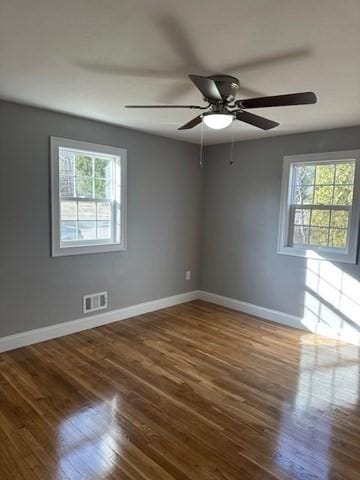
(88, 197)
(320, 204)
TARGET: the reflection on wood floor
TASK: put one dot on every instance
(194, 391)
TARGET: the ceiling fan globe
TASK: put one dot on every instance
(217, 121)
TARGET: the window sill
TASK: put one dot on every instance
(81, 250)
(318, 254)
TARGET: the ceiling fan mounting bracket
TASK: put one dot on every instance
(219, 108)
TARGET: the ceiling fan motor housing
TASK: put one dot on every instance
(227, 85)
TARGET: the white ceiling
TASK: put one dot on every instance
(91, 57)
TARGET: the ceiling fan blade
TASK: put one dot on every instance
(180, 40)
(195, 121)
(176, 91)
(207, 87)
(279, 100)
(166, 106)
(129, 71)
(271, 59)
(245, 91)
(256, 120)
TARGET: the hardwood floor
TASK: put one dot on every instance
(194, 391)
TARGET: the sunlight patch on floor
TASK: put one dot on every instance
(331, 301)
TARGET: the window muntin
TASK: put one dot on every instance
(320, 205)
(88, 183)
(322, 195)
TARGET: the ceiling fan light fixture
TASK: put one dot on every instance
(218, 121)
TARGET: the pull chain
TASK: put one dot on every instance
(232, 144)
(201, 143)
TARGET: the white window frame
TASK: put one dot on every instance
(348, 255)
(90, 246)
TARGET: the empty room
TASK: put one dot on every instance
(179, 240)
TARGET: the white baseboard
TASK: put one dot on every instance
(61, 329)
(346, 333)
(251, 309)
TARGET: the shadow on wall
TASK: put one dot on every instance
(331, 301)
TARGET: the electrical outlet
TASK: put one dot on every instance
(188, 275)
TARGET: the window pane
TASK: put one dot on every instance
(343, 195)
(339, 218)
(304, 195)
(68, 210)
(66, 186)
(319, 236)
(317, 209)
(344, 173)
(325, 174)
(104, 230)
(87, 210)
(338, 238)
(102, 188)
(103, 168)
(84, 187)
(301, 235)
(66, 161)
(323, 195)
(83, 166)
(68, 231)
(302, 216)
(103, 210)
(87, 230)
(320, 218)
(305, 174)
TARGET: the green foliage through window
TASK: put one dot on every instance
(321, 189)
(86, 196)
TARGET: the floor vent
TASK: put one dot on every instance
(94, 302)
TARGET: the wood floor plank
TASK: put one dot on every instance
(190, 392)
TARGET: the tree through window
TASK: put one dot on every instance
(89, 208)
(322, 200)
(320, 205)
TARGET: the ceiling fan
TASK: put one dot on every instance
(219, 91)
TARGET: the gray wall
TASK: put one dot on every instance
(166, 209)
(242, 214)
(164, 222)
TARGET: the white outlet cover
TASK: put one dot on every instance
(188, 275)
